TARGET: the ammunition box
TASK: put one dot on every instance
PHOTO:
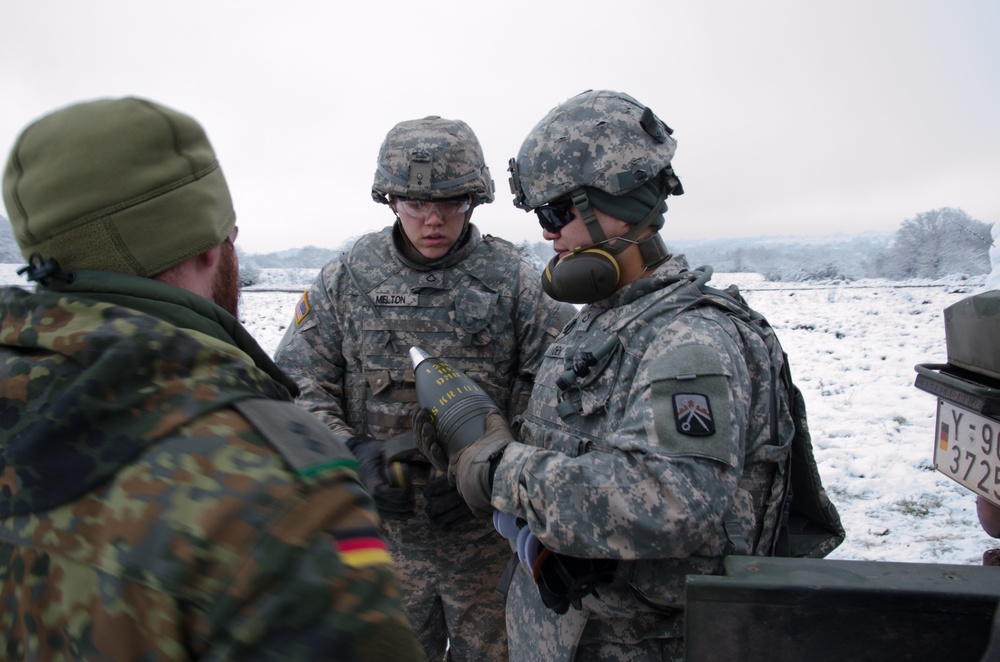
(972, 333)
(789, 610)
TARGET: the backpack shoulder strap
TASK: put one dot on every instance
(809, 524)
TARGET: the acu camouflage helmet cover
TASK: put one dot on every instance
(602, 139)
(432, 158)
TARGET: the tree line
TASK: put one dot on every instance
(932, 245)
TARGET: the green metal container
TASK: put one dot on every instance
(972, 334)
(819, 610)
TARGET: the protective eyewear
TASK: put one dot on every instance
(445, 208)
(554, 216)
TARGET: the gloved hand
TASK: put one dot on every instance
(392, 503)
(471, 469)
(445, 506)
(563, 581)
(507, 525)
(425, 437)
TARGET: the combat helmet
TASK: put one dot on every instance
(606, 151)
(602, 139)
(432, 158)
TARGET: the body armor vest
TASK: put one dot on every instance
(462, 312)
(576, 416)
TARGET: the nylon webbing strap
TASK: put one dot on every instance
(354, 279)
(503, 586)
(582, 204)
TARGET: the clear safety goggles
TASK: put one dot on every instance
(422, 209)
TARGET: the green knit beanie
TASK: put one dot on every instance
(632, 206)
(122, 185)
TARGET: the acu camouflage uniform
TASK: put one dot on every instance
(481, 308)
(631, 477)
(162, 499)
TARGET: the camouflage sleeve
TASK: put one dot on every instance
(539, 320)
(310, 351)
(651, 486)
(320, 586)
(299, 571)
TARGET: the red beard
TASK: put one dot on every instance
(226, 288)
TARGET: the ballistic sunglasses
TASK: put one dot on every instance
(554, 216)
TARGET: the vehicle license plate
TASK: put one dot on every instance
(967, 449)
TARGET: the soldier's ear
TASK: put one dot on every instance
(208, 261)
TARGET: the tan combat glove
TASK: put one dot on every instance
(471, 467)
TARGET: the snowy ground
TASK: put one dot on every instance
(852, 348)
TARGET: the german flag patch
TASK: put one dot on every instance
(360, 548)
(302, 308)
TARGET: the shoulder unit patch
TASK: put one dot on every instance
(693, 414)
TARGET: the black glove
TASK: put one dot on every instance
(564, 581)
(392, 502)
(445, 506)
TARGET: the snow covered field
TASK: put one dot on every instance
(852, 348)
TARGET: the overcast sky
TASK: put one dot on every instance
(792, 117)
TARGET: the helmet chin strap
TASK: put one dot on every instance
(652, 248)
(582, 204)
(591, 273)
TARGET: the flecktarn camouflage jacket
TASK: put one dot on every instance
(161, 499)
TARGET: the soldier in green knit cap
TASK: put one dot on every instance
(161, 496)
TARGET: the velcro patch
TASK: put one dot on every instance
(306, 444)
(693, 414)
(302, 308)
(692, 404)
(389, 299)
(360, 548)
